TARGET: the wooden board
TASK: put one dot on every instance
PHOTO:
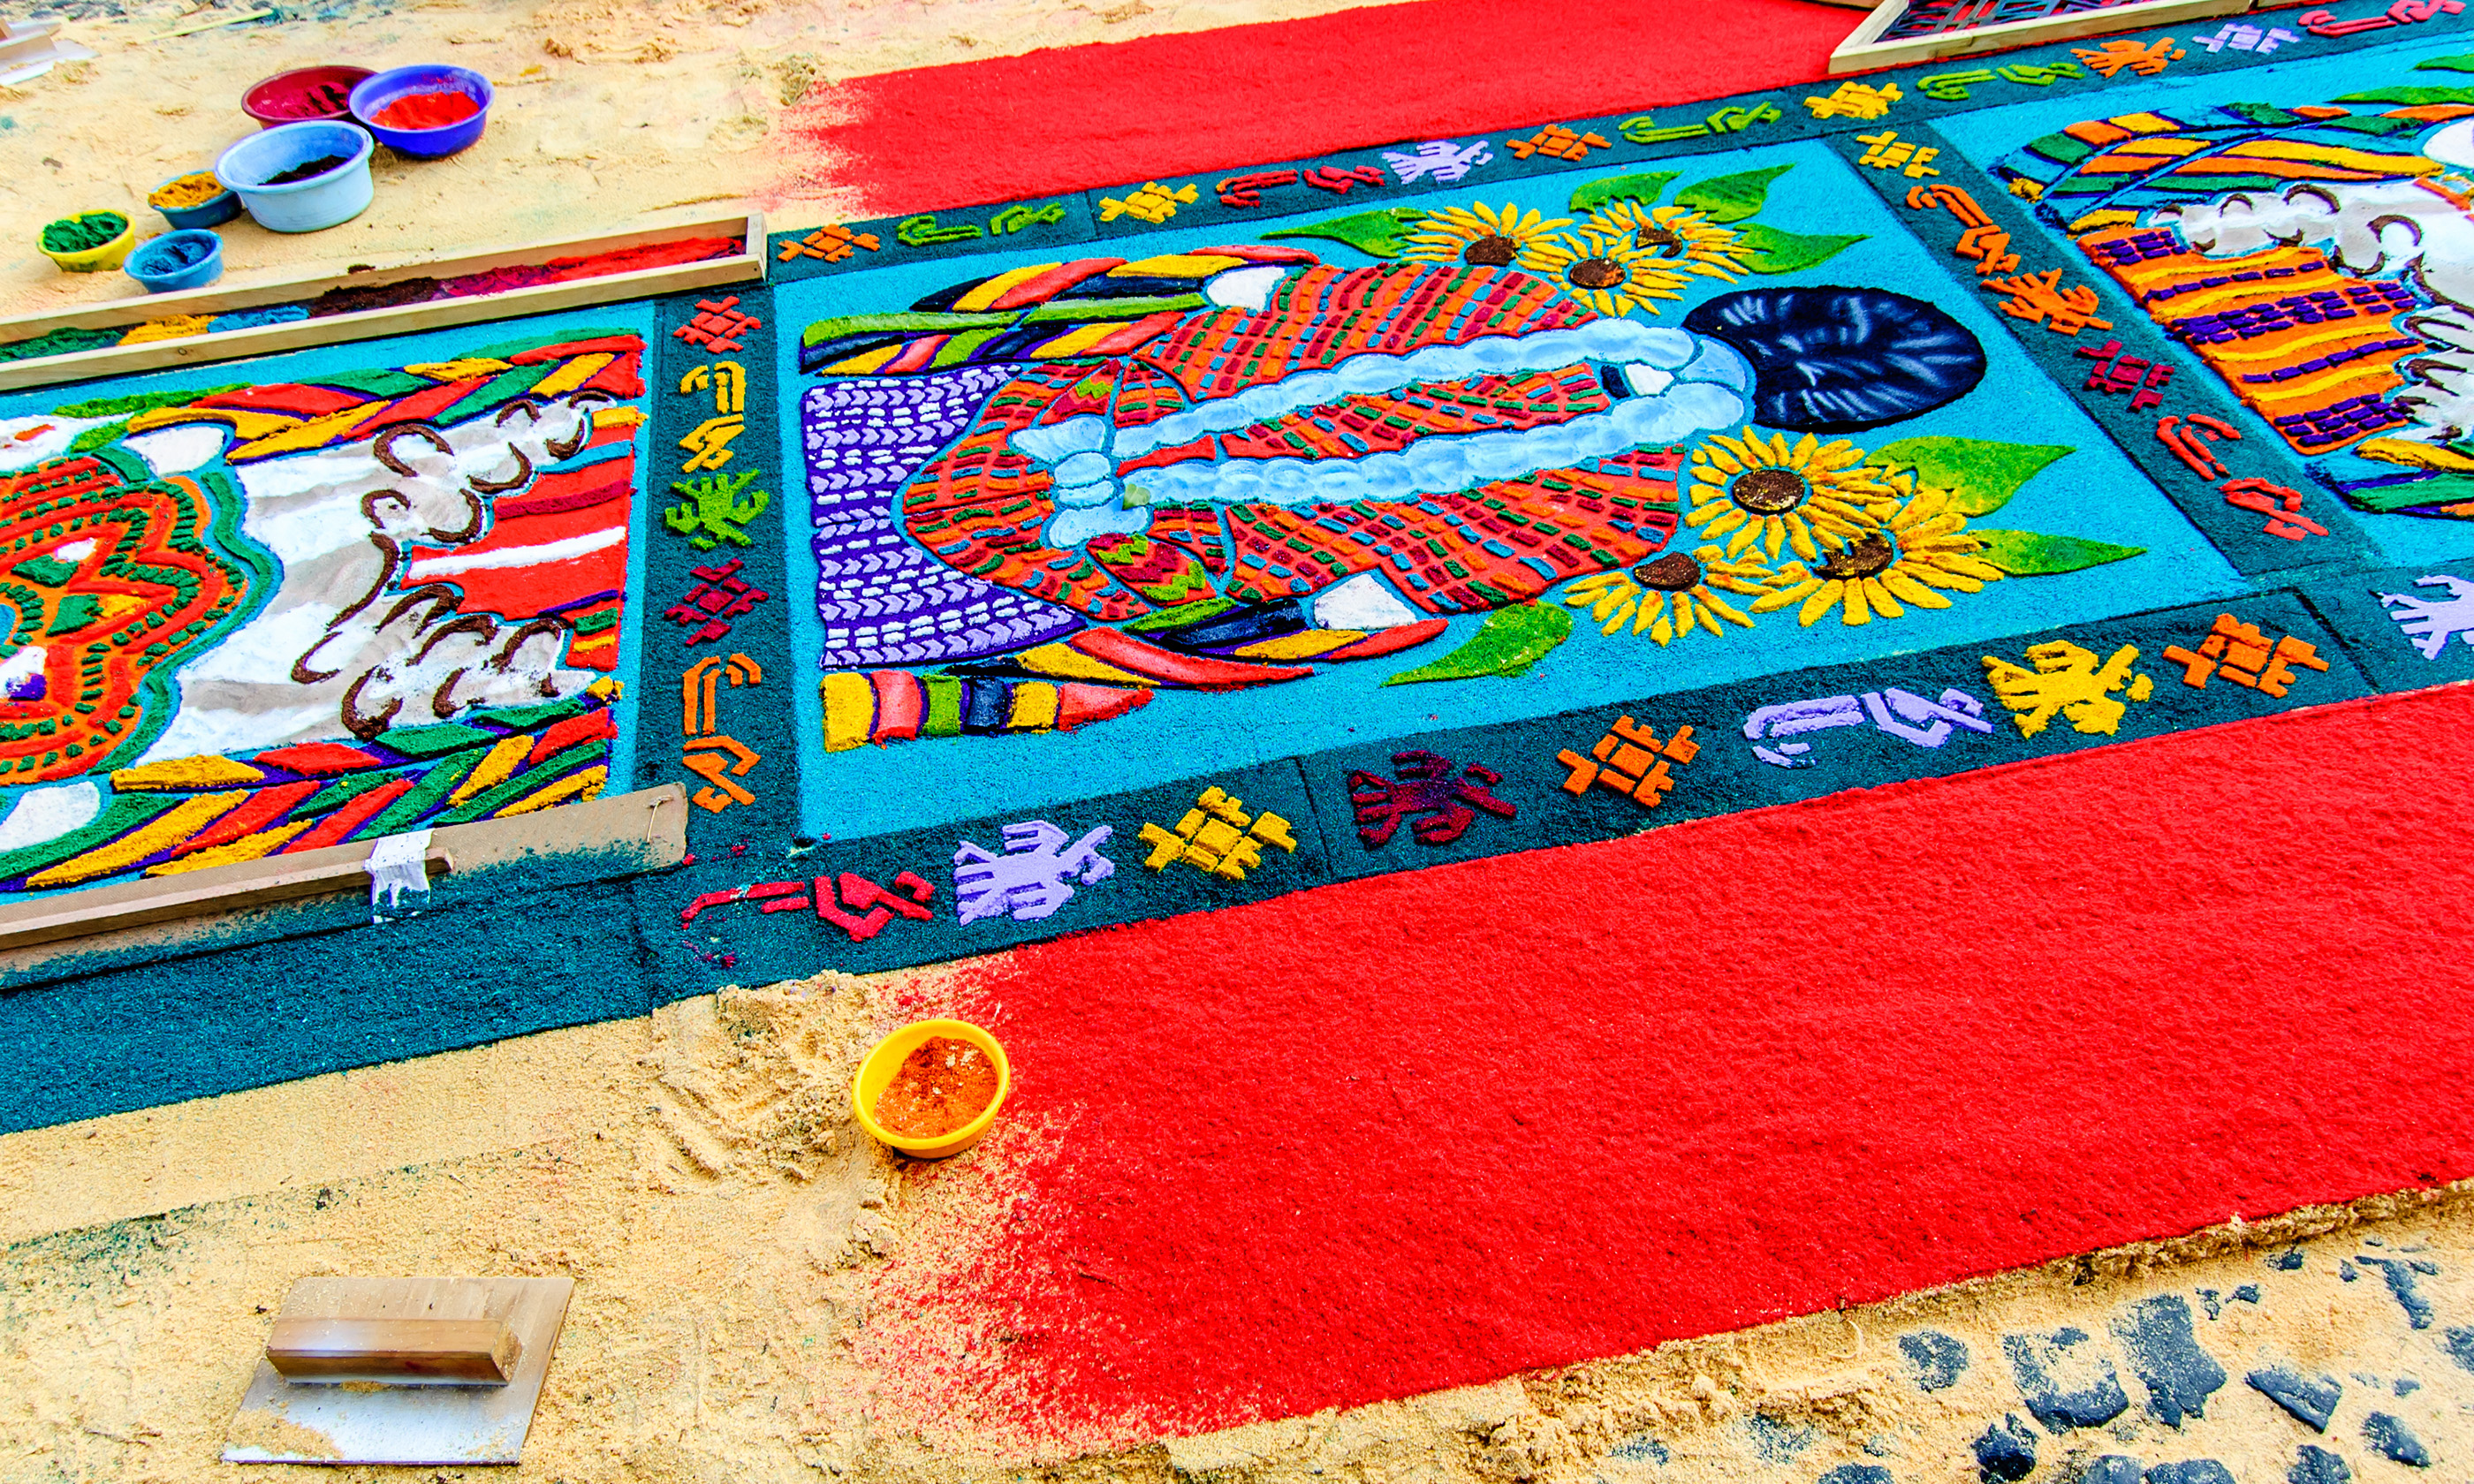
(279, 1421)
(1863, 50)
(167, 913)
(70, 917)
(744, 266)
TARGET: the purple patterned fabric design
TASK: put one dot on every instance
(885, 602)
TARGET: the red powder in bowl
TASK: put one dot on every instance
(427, 110)
(318, 100)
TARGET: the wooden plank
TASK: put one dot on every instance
(369, 323)
(401, 1350)
(649, 825)
(1863, 51)
(217, 300)
(58, 918)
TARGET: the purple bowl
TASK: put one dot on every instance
(372, 96)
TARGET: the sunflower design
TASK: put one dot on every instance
(1765, 492)
(1676, 235)
(1668, 596)
(1608, 272)
(1924, 547)
(1477, 236)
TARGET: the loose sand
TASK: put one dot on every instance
(742, 1252)
(609, 113)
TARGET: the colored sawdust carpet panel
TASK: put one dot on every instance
(377, 588)
(1468, 494)
(999, 572)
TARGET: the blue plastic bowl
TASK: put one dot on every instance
(213, 211)
(309, 206)
(372, 95)
(188, 260)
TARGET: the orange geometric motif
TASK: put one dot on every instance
(110, 584)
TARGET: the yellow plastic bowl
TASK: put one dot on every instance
(877, 1070)
(111, 254)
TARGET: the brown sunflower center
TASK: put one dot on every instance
(1769, 492)
(1596, 272)
(1665, 240)
(1674, 572)
(1491, 251)
(1869, 557)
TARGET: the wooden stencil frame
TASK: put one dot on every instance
(745, 266)
(1863, 50)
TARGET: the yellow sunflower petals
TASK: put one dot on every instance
(1652, 609)
(1799, 533)
(1623, 616)
(1913, 591)
(1821, 601)
(1879, 597)
(1858, 610)
(1726, 610)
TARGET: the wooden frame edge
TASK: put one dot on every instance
(1861, 51)
(743, 267)
(174, 910)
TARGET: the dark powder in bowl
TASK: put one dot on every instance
(307, 170)
(942, 1085)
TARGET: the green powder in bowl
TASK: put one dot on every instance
(84, 233)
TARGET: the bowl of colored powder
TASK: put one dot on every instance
(87, 241)
(426, 112)
(931, 1089)
(302, 95)
(187, 259)
(195, 200)
(301, 178)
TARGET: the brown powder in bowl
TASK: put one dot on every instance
(943, 1085)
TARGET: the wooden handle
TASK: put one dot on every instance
(397, 1352)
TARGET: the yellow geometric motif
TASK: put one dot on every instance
(1218, 836)
(2067, 680)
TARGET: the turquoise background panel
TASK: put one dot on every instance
(2091, 492)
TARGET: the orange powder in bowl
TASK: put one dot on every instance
(942, 1085)
(190, 190)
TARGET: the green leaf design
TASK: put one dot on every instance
(1513, 639)
(2422, 494)
(1374, 233)
(1982, 475)
(1642, 188)
(2445, 64)
(1774, 252)
(93, 439)
(1731, 198)
(2411, 97)
(2030, 554)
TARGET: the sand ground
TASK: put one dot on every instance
(733, 1236)
(610, 112)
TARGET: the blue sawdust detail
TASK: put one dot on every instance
(2311, 1401)
(2056, 1398)
(1935, 1362)
(2179, 1376)
(2007, 1452)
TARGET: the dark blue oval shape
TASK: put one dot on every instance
(1840, 360)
